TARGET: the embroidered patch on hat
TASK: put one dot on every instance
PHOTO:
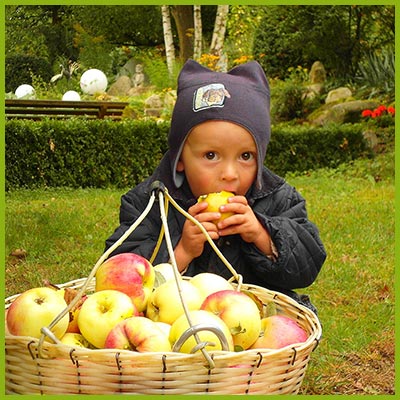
(210, 96)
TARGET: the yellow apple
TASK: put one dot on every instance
(278, 331)
(75, 340)
(208, 283)
(129, 273)
(101, 311)
(163, 272)
(239, 312)
(215, 201)
(165, 328)
(138, 334)
(200, 317)
(37, 308)
(165, 303)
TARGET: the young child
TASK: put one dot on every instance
(219, 133)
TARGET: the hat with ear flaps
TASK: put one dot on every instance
(240, 96)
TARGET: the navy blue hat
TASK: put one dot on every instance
(240, 96)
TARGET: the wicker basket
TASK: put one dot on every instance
(34, 366)
(66, 370)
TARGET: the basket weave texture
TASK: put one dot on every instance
(62, 369)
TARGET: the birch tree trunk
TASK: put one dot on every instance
(168, 39)
(217, 41)
(198, 32)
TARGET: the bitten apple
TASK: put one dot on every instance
(208, 283)
(129, 273)
(215, 201)
(200, 317)
(138, 334)
(165, 303)
(37, 308)
(239, 312)
(101, 311)
(278, 331)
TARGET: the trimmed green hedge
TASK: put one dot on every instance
(86, 153)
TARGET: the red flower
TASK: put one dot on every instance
(391, 110)
(366, 113)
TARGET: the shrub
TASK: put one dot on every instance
(20, 68)
(100, 153)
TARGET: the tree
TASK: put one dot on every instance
(198, 32)
(217, 41)
(183, 17)
(168, 39)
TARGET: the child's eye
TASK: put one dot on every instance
(247, 156)
(210, 155)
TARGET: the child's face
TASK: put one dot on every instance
(219, 155)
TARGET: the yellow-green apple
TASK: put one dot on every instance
(37, 308)
(75, 340)
(101, 311)
(165, 303)
(208, 283)
(138, 334)
(129, 273)
(200, 317)
(165, 328)
(163, 272)
(239, 312)
(278, 331)
(215, 201)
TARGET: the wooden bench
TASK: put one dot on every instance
(39, 109)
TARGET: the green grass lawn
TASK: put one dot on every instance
(62, 234)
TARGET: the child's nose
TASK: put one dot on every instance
(229, 172)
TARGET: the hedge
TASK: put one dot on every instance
(99, 153)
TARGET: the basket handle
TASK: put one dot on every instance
(198, 328)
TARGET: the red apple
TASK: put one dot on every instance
(239, 312)
(138, 334)
(278, 331)
(37, 308)
(129, 273)
(100, 312)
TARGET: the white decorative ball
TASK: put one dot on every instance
(71, 95)
(25, 91)
(93, 81)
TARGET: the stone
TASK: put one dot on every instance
(120, 87)
(339, 94)
(154, 101)
(317, 73)
(346, 112)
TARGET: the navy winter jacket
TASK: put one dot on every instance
(279, 207)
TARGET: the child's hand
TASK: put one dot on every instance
(192, 240)
(243, 222)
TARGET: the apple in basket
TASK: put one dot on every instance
(101, 311)
(239, 312)
(138, 334)
(37, 308)
(75, 340)
(208, 283)
(278, 331)
(129, 273)
(164, 272)
(207, 336)
(165, 302)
